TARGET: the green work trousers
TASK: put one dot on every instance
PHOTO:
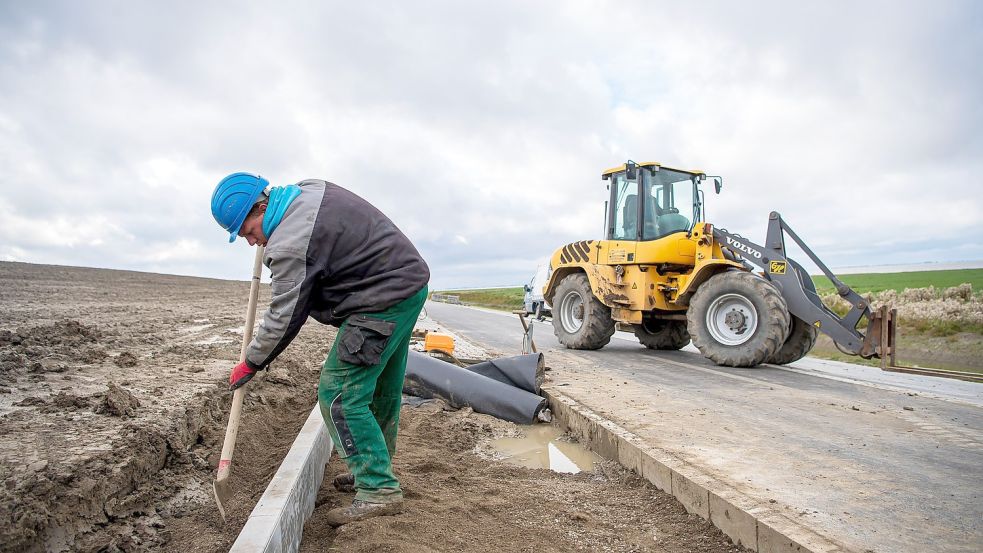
(360, 393)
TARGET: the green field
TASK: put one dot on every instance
(505, 299)
(878, 282)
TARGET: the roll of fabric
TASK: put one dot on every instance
(521, 371)
(431, 378)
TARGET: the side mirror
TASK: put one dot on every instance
(718, 183)
(631, 170)
(527, 288)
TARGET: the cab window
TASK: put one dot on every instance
(669, 205)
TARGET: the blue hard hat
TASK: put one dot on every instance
(233, 198)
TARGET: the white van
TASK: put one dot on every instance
(534, 302)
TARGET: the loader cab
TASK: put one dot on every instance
(648, 201)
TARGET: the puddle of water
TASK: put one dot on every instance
(544, 446)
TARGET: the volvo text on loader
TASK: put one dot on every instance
(671, 276)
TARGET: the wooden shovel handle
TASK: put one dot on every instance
(232, 431)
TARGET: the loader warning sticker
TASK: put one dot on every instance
(817, 324)
(778, 267)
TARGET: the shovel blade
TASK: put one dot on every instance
(222, 492)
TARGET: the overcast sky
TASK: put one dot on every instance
(481, 129)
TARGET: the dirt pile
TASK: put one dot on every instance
(460, 500)
(63, 335)
(115, 402)
(125, 360)
(118, 402)
(48, 348)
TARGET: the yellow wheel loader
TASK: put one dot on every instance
(672, 277)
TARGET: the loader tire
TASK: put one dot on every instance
(580, 320)
(738, 319)
(801, 338)
(656, 334)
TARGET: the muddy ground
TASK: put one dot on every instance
(459, 498)
(113, 409)
(113, 406)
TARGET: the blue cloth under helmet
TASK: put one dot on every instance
(280, 199)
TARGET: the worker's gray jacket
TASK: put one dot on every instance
(333, 254)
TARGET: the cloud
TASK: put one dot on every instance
(482, 129)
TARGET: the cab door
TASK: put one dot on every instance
(624, 222)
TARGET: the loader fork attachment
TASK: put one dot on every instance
(880, 335)
(800, 294)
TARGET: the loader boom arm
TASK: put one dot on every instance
(798, 290)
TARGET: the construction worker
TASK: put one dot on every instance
(338, 259)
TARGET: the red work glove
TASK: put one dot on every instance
(241, 374)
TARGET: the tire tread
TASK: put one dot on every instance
(598, 327)
(773, 321)
(673, 336)
(801, 339)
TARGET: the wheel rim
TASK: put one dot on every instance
(572, 312)
(732, 319)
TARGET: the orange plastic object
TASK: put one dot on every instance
(434, 340)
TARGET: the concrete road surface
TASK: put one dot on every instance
(876, 461)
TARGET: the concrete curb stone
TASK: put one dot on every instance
(276, 524)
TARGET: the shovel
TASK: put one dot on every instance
(221, 486)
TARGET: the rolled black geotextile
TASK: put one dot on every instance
(521, 371)
(428, 377)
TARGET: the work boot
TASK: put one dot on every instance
(361, 510)
(344, 482)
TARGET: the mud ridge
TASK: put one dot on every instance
(116, 500)
(60, 507)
